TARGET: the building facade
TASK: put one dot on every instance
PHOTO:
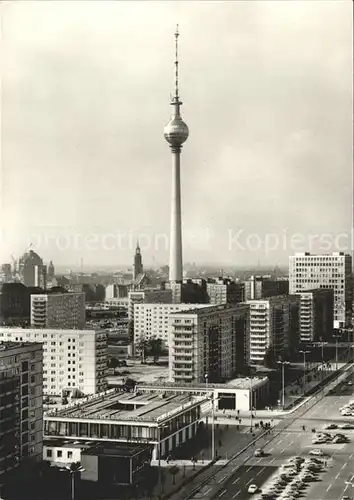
(159, 420)
(210, 341)
(274, 324)
(58, 310)
(73, 360)
(225, 291)
(332, 271)
(21, 403)
(152, 320)
(260, 287)
(115, 291)
(316, 315)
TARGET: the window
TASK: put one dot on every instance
(49, 453)
(70, 454)
(59, 454)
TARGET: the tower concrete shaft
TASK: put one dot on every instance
(176, 133)
(176, 267)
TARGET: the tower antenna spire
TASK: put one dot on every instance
(176, 64)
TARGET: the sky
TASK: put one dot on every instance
(267, 95)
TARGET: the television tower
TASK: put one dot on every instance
(176, 133)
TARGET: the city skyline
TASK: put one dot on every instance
(274, 159)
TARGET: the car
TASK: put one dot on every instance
(320, 441)
(340, 440)
(253, 488)
(296, 460)
(316, 452)
(308, 478)
(331, 426)
(259, 453)
(350, 382)
(347, 426)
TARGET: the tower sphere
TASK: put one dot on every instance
(176, 131)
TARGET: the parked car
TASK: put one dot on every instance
(316, 452)
(253, 488)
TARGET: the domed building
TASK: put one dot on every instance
(32, 270)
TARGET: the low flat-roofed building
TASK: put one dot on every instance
(113, 464)
(61, 452)
(236, 394)
(129, 417)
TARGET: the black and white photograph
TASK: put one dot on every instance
(176, 250)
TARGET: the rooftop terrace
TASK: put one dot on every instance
(126, 406)
(237, 383)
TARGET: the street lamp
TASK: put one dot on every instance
(72, 474)
(337, 336)
(206, 376)
(304, 353)
(283, 363)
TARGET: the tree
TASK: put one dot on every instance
(174, 470)
(155, 348)
(75, 466)
(113, 363)
(129, 385)
(142, 347)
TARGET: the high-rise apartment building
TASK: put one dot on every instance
(58, 310)
(152, 320)
(148, 296)
(212, 341)
(274, 324)
(316, 315)
(261, 287)
(333, 271)
(225, 291)
(21, 403)
(72, 359)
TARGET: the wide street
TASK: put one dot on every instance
(233, 483)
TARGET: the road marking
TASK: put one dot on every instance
(272, 460)
(329, 487)
(281, 440)
(236, 494)
(271, 450)
(249, 468)
(250, 481)
(344, 465)
(350, 456)
(291, 442)
(207, 491)
(259, 460)
(221, 479)
(236, 480)
(337, 476)
(233, 470)
(222, 493)
(282, 451)
(259, 472)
